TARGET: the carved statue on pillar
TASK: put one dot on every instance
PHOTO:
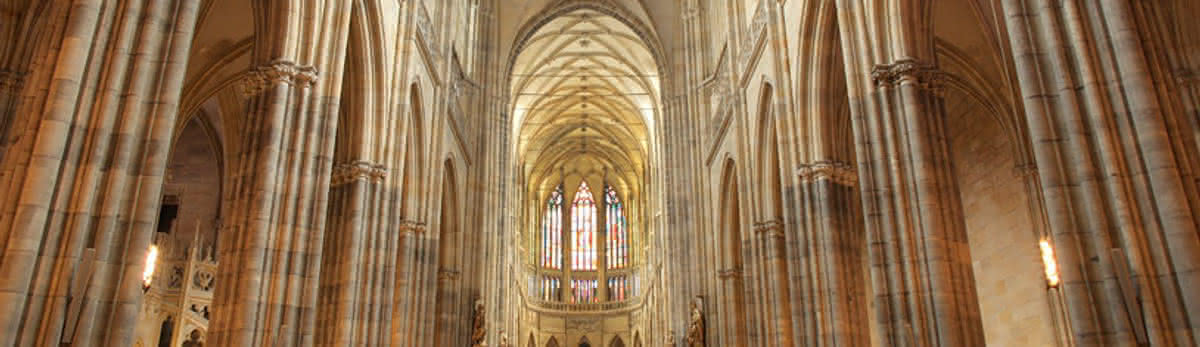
(480, 329)
(695, 336)
(193, 340)
(504, 339)
(670, 339)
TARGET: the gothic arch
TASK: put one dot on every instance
(988, 143)
(616, 342)
(448, 251)
(449, 243)
(195, 167)
(769, 167)
(822, 119)
(414, 156)
(353, 131)
(553, 342)
(730, 247)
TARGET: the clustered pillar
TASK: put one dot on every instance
(274, 232)
(83, 162)
(829, 243)
(1116, 171)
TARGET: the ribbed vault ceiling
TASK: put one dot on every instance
(585, 90)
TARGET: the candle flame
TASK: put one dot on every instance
(151, 261)
(1050, 263)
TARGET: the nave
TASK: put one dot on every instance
(609, 173)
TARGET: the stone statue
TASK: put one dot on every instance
(695, 336)
(480, 328)
(670, 339)
(193, 340)
(504, 339)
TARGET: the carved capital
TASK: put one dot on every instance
(263, 77)
(1187, 78)
(1025, 170)
(909, 71)
(11, 80)
(346, 173)
(412, 226)
(729, 273)
(446, 275)
(839, 172)
(772, 228)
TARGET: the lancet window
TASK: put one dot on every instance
(552, 226)
(550, 288)
(583, 230)
(584, 291)
(618, 288)
(617, 228)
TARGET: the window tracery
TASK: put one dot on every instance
(616, 227)
(583, 230)
(552, 226)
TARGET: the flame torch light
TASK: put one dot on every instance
(1050, 263)
(151, 261)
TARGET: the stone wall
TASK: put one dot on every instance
(1013, 303)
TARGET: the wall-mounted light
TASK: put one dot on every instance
(1050, 263)
(148, 273)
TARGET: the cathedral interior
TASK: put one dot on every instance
(608, 173)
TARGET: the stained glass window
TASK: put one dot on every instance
(617, 228)
(583, 230)
(584, 291)
(550, 289)
(618, 288)
(552, 226)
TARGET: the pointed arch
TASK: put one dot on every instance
(449, 223)
(553, 342)
(616, 230)
(769, 161)
(616, 342)
(731, 248)
(583, 229)
(730, 215)
(448, 256)
(552, 229)
(414, 153)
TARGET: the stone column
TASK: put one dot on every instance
(446, 294)
(835, 239)
(83, 163)
(568, 198)
(1113, 171)
(602, 241)
(269, 269)
(356, 250)
(11, 83)
(407, 283)
(769, 237)
(920, 258)
(923, 286)
(688, 252)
